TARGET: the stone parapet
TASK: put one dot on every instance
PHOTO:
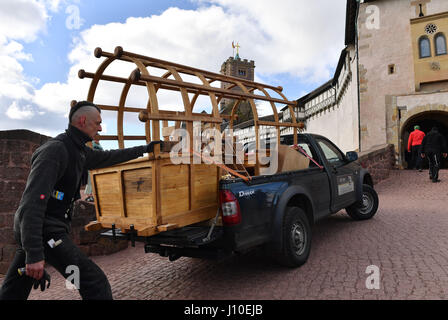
(90, 242)
(16, 149)
(379, 161)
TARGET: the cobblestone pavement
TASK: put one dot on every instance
(406, 240)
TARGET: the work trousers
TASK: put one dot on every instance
(434, 159)
(93, 283)
(416, 160)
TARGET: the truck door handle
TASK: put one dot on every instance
(335, 170)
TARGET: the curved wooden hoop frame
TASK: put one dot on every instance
(151, 113)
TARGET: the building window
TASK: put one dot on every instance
(430, 28)
(242, 72)
(424, 47)
(440, 42)
(391, 69)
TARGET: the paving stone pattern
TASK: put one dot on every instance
(407, 240)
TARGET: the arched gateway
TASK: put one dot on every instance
(426, 120)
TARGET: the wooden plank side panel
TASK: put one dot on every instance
(138, 195)
(205, 186)
(174, 189)
(186, 218)
(108, 194)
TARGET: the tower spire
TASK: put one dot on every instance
(237, 46)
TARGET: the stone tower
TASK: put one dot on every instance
(236, 67)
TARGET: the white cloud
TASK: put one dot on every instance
(264, 108)
(17, 113)
(300, 38)
(303, 38)
(14, 49)
(56, 97)
(22, 19)
(53, 5)
(12, 82)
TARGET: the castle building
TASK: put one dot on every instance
(403, 70)
(236, 67)
(392, 75)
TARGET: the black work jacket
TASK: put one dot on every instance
(434, 142)
(53, 185)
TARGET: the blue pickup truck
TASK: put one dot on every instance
(278, 211)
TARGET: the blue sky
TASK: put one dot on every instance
(54, 45)
(294, 43)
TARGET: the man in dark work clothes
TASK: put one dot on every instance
(42, 221)
(433, 147)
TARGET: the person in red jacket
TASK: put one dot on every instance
(414, 146)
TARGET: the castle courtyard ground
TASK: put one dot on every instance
(407, 240)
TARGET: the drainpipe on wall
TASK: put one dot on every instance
(400, 159)
(357, 74)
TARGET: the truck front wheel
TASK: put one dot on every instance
(296, 238)
(367, 207)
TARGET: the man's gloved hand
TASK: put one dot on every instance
(150, 146)
(41, 282)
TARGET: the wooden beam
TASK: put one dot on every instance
(84, 74)
(136, 76)
(145, 116)
(115, 108)
(101, 137)
(93, 226)
(121, 194)
(119, 53)
(162, 112)
(167, 227)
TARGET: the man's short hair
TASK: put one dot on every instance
(417, 127)
(78, 106)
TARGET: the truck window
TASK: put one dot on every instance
(308, 148)
(331, 153)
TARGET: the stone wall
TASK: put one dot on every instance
(90, 242)
(339, 122)
(16, 149)
(379, 161)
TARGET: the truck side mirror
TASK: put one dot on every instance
(352, 156)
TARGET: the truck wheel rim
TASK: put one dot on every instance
(298, 238)
(367, 203)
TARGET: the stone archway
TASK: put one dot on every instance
(426, 120)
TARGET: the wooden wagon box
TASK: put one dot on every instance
(154, 195)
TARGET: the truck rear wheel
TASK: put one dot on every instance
(296, 238)
(367, 207)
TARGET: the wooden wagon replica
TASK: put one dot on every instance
(151, 194)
